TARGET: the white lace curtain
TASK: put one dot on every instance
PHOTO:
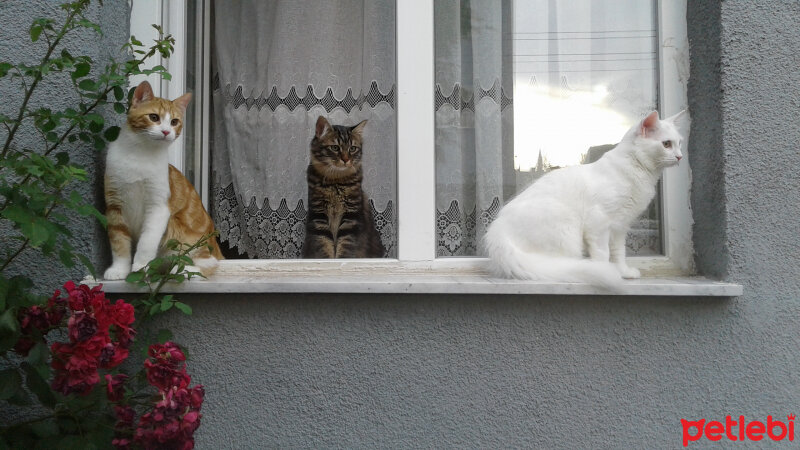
(474, 119)
(276, 66)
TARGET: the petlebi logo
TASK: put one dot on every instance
(738, 430)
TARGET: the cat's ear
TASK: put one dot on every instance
(648, 124)
(359, 128)
(142, 93)
(183, 101)
(322, 126)
(680, 120)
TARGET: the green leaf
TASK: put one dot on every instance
(88, 264)
(10, 383)
(87, 85)
(99, 143)
(119, 93)
(4, 68)
(81, 70)
(184, 308)
(164, 335)
(45, 428)
(35, 31)
(66, 258)
(9, 330)
(38, 386)
(154, 309)
(135, 277)
(38, 354)
(166, 305)
(111, 134)
(119, 108)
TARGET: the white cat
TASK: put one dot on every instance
(543, 233)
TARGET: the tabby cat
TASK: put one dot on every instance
(148, 201)
(339, 222)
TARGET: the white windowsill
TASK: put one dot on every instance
(373, 277)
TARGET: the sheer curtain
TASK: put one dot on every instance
(277, 66)
(474, 119)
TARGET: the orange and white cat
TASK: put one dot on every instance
(148, 201)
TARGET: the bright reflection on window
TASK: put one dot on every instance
(561, 127)
(584, 72)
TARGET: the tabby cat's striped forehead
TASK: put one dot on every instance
(341, 135)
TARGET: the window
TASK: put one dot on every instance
(540, 50)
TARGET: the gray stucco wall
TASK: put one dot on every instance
(57, 93)
(567, 372)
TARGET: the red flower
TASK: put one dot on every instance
(79, 296)
(112, 355)
(165, 377)
(122, 314)
(57, 308)
(169, 353)
(34, 317)
(122, 444)
(82, 326)
(73, 373)
(125, 416)
(24, 346)
(115, 387)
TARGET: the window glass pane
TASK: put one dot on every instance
(272, 76)
(527, 86)
(191, 130)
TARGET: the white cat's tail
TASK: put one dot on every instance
(508, 261)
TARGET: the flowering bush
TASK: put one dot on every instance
(61, 358)
(100, 336)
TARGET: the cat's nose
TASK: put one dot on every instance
(166, 132)
(679, 157)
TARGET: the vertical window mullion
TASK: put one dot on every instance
(673, 73)
(174, 23)
(415, 130)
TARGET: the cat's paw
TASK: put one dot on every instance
(629, 272)
(137, 266)
(116, 273)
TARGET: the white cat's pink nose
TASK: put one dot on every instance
(679, 157)
(166, 133)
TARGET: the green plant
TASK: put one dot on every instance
(37, 201)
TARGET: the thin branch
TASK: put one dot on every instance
(36, 79)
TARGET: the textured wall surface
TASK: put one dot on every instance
(477, 371)
(57, 93)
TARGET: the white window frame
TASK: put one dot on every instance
(416, 150)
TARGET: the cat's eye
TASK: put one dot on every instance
(175, 122)
(154, 117)
(354, 149)
(333, 148)
(667, 144)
